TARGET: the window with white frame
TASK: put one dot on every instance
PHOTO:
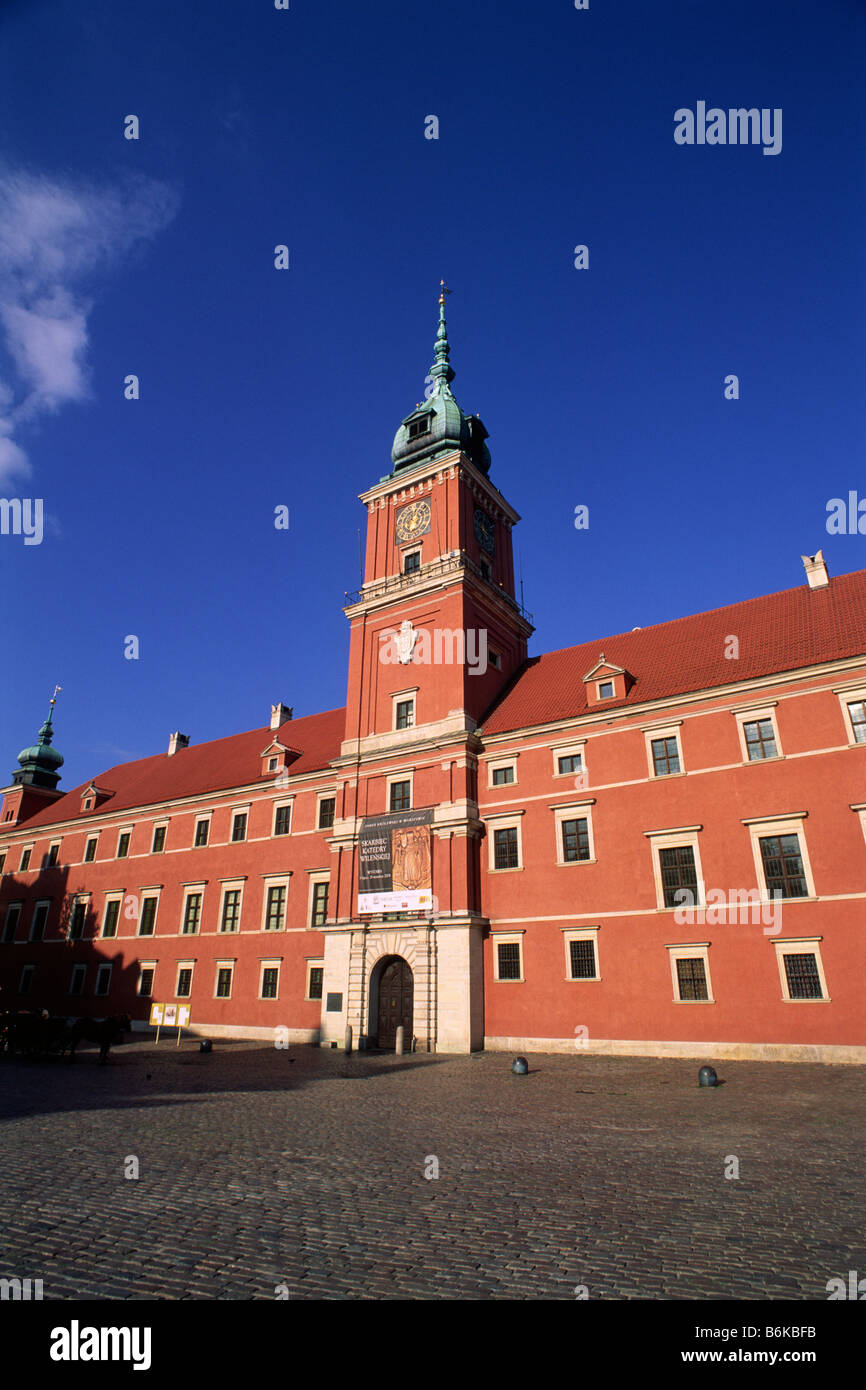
(230, 907)
(103, 980)
(320, 887)
(90, 849)
(508, 956)
(202, 832)
(10, 926)
(40, 919)
(157, 845)
(852, 700)
(315, 979)
(605, 690)
(502, 772)
(78, 917)
(77, 979)
(146, 973)
(275, 900)
(759, 734)
(781, 857)
(505, 850)
(283, 818)
(147, 914)
(239, 825)
(225, 970)
(569, 759)
(801, 969)
(664, 750)
(403, 703)
(24, 863)
(690, 973)
(326, 812)
(111, 914)
(193, 901)
(53, 855)
(581, 953)
(677, 866)
(123, 839)
(269, 980)
(399, 790)
(574, 839)
(183, 985)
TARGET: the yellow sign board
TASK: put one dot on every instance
(169, 1016)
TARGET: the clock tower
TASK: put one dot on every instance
(435, 634)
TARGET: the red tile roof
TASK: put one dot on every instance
(776, 632)
(204, 767)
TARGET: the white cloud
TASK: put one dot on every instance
(58, 241)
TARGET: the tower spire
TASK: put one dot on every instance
(442, 372)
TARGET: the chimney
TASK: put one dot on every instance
(177, 741)
(816, 570)
(279, 714)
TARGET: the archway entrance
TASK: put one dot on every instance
(393, 1000)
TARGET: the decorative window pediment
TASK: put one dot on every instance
(606, 681)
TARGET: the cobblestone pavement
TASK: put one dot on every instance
(305, 1168)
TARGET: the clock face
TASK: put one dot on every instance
(413, 521)
(485, 532)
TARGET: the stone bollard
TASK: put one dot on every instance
(400, 1041)
(347, 1041)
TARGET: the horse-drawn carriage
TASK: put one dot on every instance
(36, 1033)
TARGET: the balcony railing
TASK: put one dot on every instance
(443, 567)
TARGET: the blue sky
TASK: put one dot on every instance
(602, 387)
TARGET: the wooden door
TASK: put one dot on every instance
(396, 991)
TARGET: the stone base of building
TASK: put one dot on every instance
(829, 1053)
(236, 1032)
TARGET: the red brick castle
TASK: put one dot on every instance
(654, 843)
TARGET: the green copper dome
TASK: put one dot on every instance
(438, 425)
(40, 764)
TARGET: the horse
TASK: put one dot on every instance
(103, 1031)
(33, 1033)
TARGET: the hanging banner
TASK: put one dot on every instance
(395, 870)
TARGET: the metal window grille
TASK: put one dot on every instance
(692, 978)
(801, 971)
(509, 960)
(582, 955)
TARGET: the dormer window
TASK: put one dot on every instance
(607, 681)
(88, 802)
(420, 425)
